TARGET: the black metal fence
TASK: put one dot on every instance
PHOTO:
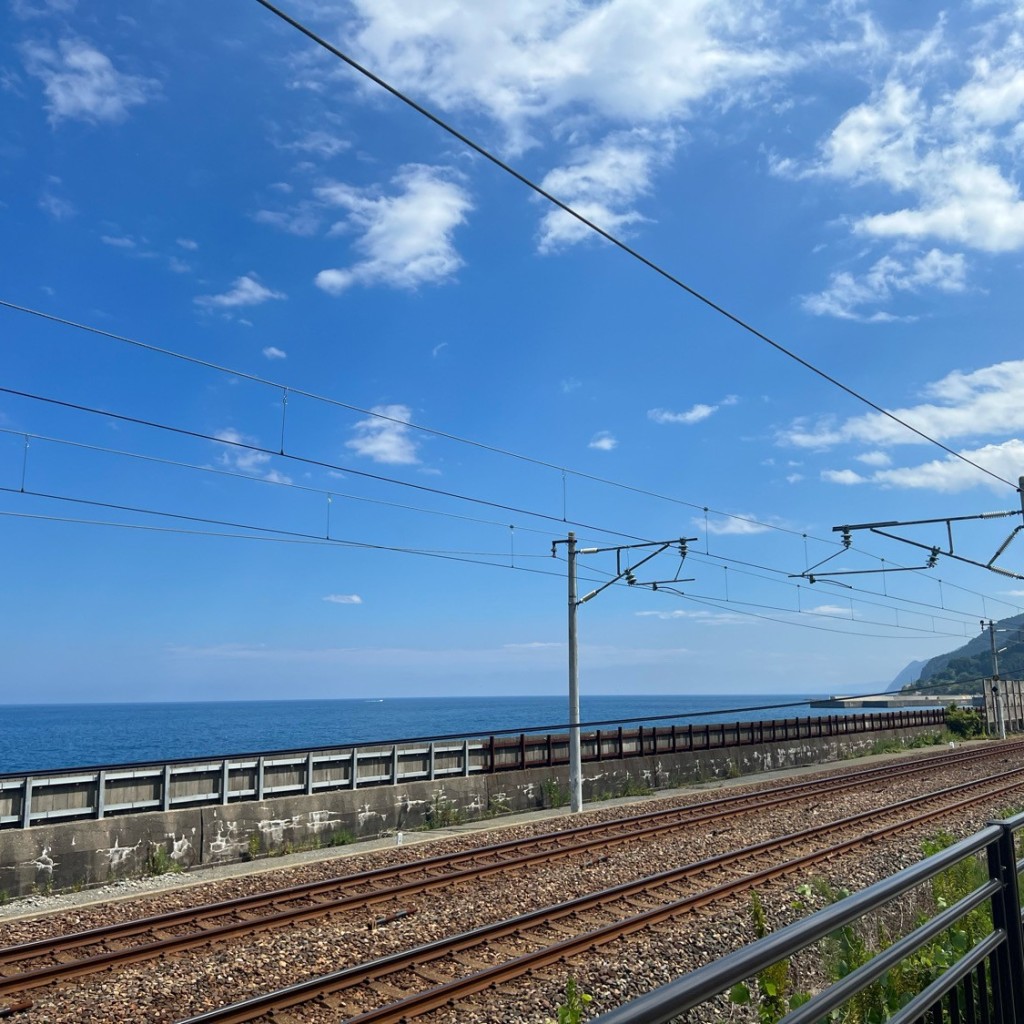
(984, 985)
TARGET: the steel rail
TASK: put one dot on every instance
(446, 994)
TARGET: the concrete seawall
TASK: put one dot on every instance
(84, 853)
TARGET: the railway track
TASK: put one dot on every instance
(46, 961)
(758, 864)
(170, 933)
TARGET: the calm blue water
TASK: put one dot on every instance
(39, 737)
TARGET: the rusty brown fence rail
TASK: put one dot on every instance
(98, 792)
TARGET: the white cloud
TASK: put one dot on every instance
(692, 415)
(56, 206)
(978, 403)
(344, 599)
(319, 143)
(935, 148)
(601, 184)
(951, 475)
(879, 459)
(736, 526)
(188, 244)
(704, 618)
(25, 9)
(81, 83)
(638, 62)
(603, 441)
(303, 220)
(238, 457)
(438, 349)
(272, 352)
(405, 238)
(385, 436)
(118, 241)
(835, 610)
(888, 277)
(843, 476)
(245, 291)
(794, 478)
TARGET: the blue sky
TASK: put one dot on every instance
(457, 373)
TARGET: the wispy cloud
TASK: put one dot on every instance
(602, 184)
(735, 526)
(386, 437)
(245, 291)
(935, 148)
(343, 599)
(946, 475)
(272, 352)
(407, 238)
(190, 245)
(242, 459)
(696, 413)
(849, 297)
(703, 617)
(972, 404)
(56, 206)
(81, 83)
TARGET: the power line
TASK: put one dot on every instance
(432, 431)
(313, 396)
(258, 532)
(714, 603)
(617, 242)
(233, 474)
(319, 463)
(329, 494)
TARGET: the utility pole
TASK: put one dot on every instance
(991, 627)
(575, 752)
(621, 573)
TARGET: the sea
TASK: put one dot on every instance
(47, 737)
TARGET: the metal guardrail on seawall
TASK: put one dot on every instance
(98, 792)
(984, 983)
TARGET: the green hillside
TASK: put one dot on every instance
(962, 670)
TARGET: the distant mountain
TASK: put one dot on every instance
(910, 674)
(962, 670)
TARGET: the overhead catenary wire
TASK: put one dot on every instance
(564, 471)
(291, 389)
(619, 243)
(328, 493)
(236, 475)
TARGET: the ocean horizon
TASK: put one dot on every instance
(48, 737)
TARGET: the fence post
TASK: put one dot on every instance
(522, 750)
(259, 778)
(551, 752)
(26, 803)
(394, 764)
(166, 791)
(354, 780)
(493, 768)
(432, 762)
(309, 773)
(1009, 958)
(225, 781)
(465, 758)
(101, 793)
